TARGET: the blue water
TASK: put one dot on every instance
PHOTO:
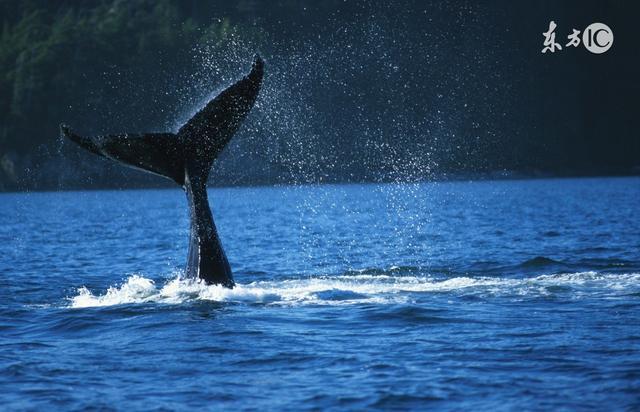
(455, 296)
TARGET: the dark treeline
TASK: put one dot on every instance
(355, 90)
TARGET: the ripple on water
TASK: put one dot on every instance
(355, 289)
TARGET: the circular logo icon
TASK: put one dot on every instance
(597, 38)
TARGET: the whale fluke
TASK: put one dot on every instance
(158, 153)
(186, 158)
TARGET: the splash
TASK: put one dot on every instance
(355, 289)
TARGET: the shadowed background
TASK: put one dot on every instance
(355, 90)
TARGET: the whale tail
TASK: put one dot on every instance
(186, 158)
(200, 140)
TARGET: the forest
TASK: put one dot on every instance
(355, 90)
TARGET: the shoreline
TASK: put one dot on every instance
(440, 179)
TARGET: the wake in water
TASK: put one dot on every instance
(358, 289)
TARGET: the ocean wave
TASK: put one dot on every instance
(540, 261)
(351, 289)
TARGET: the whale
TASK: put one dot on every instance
(186, 158)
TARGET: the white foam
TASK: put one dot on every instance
(344, 290)
(136, 289)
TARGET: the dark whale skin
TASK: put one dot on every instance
(186, 158)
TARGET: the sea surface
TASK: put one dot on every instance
(493, 295)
